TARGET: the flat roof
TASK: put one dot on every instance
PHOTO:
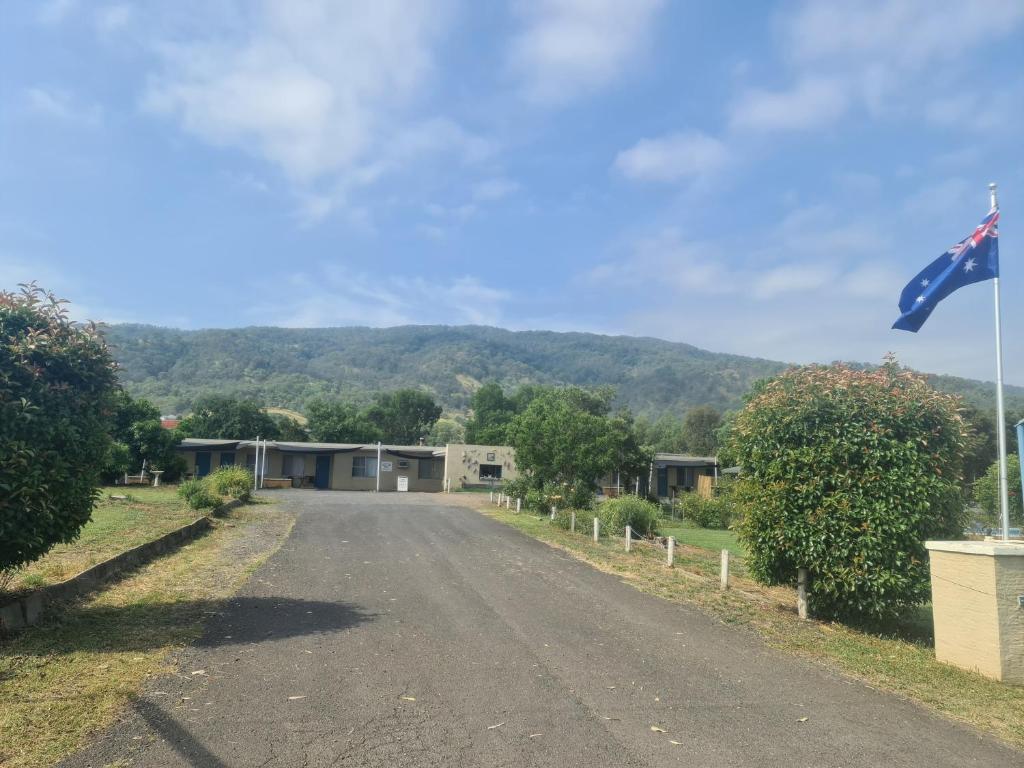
(197, 443)
(684, 460)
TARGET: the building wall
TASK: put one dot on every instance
(462, 464)
(341, 469)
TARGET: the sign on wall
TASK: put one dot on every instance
(387, 466)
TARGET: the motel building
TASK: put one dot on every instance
(351, 467)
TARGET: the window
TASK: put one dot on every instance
(364, 466)
(429, 469)
(293, 465)
(403, 463)
(227, 458)
(490, 471)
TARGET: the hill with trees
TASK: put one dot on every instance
(292, 367)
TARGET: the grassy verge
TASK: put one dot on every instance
(686, 532)
(893, 663)
(116, 525)
(68, 677)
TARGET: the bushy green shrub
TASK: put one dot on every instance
(234, 482)
(57, 382)
(714, 512)
(846, 473)
(198, 495)
(639, 514)
(540, 500)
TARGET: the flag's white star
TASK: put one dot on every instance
(924, 283)
(920, 299)
(969, 265)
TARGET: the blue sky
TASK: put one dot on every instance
(748, 177)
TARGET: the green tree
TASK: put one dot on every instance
(57, 384)
(986, 491)
(289, 430)
(138, 437)
(665, 435)
(404, 416)
(700, 430)
(332, 421)
(446, 431)
(229, 418)
(846, 473)
(492, 413)
(566, 439)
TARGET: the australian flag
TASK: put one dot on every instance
(972, 260)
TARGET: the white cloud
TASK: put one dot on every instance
(900, 34)
(811, 103)
(61, 105)
(55, 11)
(672, 158)
(572, 47)
(113, 18)
(494, 188)
(324, 91)
(792, 278)
(339, 295)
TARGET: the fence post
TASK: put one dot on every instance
(801, 593)
(725, 569)
(519, 506)
(491, 498)
(629, 537)
(597, 529)
(508, 503)
(671, 551)
(572, 521)
(553, 509)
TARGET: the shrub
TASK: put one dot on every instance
(641, 515)
(714, 512)
(846, 473)
(233, 482)
(197, 495)
(56, 389)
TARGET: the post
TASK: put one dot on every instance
(256, 467)
(377, 489)
(671, 552)
(629, 538)
(801, 593)
(553, 508)
(508, 502)
(572, 521)
(1004, 492)
(597, 530)
(1020, 449)
(519, 506)
(725, 569)
(263, 464)
(490, 497)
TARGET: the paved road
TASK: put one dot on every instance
(394, 630)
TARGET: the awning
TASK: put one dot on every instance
(225, 446)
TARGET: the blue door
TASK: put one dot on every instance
(202, 463)
(322, 479)
(662, 482)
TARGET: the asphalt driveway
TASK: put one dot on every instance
(395, 630)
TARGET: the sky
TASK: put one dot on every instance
(755, 178)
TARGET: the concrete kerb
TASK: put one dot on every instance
(27, 610)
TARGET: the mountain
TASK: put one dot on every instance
(287, 367)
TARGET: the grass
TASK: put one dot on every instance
(66, 679)
(898, 659)
(115, 527)
(686, 532)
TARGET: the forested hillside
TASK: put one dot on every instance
(290, 366)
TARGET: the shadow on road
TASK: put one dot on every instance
(179, 739)
(142, 626)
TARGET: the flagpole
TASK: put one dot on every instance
(1004, 493)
